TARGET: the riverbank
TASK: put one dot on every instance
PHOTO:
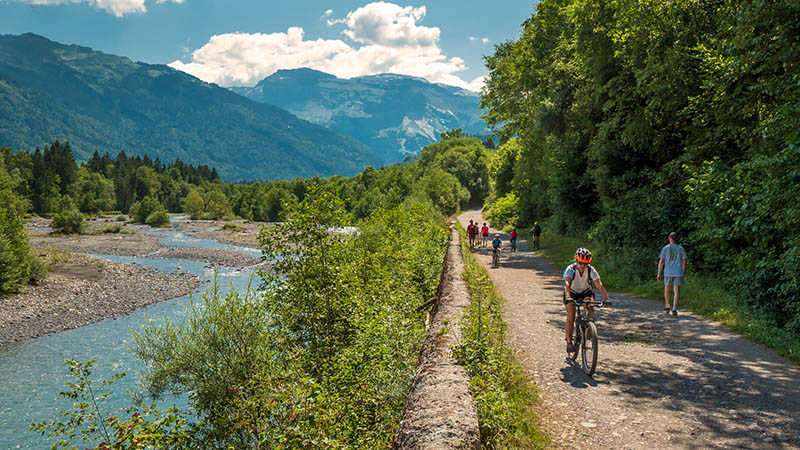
(80, 290)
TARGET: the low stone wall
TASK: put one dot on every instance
(440, 411)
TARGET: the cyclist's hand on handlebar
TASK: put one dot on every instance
(607, 302)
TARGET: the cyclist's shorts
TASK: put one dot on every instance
(579, 296)
(673, 281)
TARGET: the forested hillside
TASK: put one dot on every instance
(108, 103)
(637, 118)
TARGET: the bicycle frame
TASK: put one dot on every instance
(582, 323)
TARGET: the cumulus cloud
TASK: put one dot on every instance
(483, 40)
(116, 7)
(384, 38)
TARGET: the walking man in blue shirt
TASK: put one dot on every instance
(672, 261)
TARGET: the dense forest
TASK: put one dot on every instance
(631, 119)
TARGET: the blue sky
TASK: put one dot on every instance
(239, 42)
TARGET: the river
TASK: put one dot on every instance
(33, 372)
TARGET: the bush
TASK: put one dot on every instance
(122, 218)
(158, 218)
(194, 205)
(504, 211)
(69, 221)
(325, 356)
(232, 227)
(116, 228)
(141, 210)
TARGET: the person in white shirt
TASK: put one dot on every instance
(578, 278)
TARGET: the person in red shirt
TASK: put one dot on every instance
(514, 240)
(472, 231)
(484, 235)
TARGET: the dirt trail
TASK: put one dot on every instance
(662, 382)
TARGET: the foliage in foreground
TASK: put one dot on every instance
(504, 396)
(323, 356)
(140, 427)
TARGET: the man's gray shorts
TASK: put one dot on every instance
(673, 281)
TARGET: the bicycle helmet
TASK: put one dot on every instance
(583, 255)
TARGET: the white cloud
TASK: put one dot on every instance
(386, 38)
(116, 7)
(483, 40)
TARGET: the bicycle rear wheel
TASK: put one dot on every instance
(589, 349)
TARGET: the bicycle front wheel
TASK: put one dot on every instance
(589, 349)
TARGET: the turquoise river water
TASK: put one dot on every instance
(32, 372)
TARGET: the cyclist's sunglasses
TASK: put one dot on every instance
(583, 264)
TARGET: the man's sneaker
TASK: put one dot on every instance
(570, 347)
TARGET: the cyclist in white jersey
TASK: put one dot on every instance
(578, 278)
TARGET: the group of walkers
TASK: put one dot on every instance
(581, 277)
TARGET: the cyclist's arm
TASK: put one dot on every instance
(602, 288)
(568, 286)
(661, 267)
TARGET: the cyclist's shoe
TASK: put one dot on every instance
(570, 347)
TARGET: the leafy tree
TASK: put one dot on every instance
(193, 205)
(93, 192)
(15, 259)
(218, 206)
(140, 211)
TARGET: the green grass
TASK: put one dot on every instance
(710, 297)
(504, 396)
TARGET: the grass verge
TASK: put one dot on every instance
(713, 298)
(503, 395)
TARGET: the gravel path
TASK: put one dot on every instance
(662, 382)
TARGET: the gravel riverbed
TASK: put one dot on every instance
(81, 290)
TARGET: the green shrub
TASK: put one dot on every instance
(158, 218)
(324, 357)
(69, 221)
(141, 210)
(504, 211)
(116, 228)
(122, 218)
(194, 205)
(232, 227)
(38, 270)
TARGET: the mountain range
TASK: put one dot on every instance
(108, 103)
(395, 115)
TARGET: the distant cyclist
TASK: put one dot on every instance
(578, 278)
(514, 240)
(497, 244)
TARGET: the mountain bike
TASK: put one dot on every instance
(514, 244)
(584, 335)
(495, 258)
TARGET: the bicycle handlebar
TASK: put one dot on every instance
(600, 303)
